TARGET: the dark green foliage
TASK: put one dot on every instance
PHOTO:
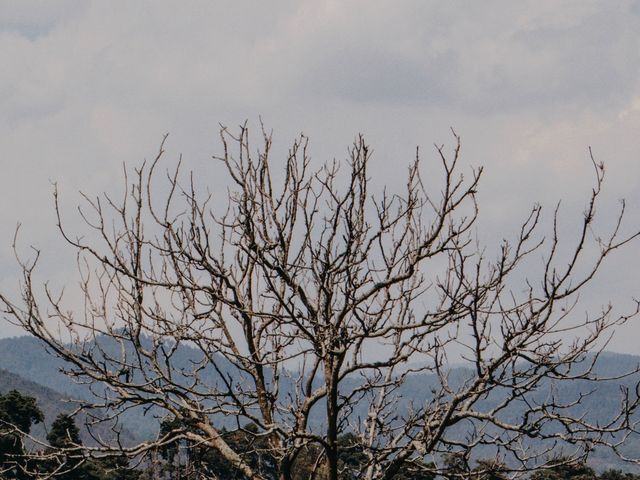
(351, 456)
(490, 470)
(456, 466)
(618, 475)
(71, 464)
(64, 432)
(21, 411)
(112, 468)
(415, 471)
(564, 470)
(74, 464)
(17, 411)
(188, 461)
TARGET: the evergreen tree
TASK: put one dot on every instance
(457, 466)
(112, 468)
(490, 470)
(19, 412)
(565, 470)
(618, 475)
(64, 438)
(64, 434)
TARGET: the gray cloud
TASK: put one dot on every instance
(37, 18)
(369, 76)
(482, 58)
(86, 86)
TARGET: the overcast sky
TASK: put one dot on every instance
(86, 86)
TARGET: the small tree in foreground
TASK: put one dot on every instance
(311, 296)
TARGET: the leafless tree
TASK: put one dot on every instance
(311, 294)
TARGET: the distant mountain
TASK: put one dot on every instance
(53, 403)
(28, 358)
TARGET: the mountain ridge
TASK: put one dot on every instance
(53, 403)
(27, 357)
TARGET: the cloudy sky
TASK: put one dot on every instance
(529, 85)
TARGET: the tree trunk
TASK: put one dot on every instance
(332, 420)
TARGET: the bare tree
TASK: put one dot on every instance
(310, 294)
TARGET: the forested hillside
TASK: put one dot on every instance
(25, 358)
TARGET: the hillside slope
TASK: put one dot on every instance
(52, 403)
(27, 357)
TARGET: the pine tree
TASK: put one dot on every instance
(17, 413)
(64, 434)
